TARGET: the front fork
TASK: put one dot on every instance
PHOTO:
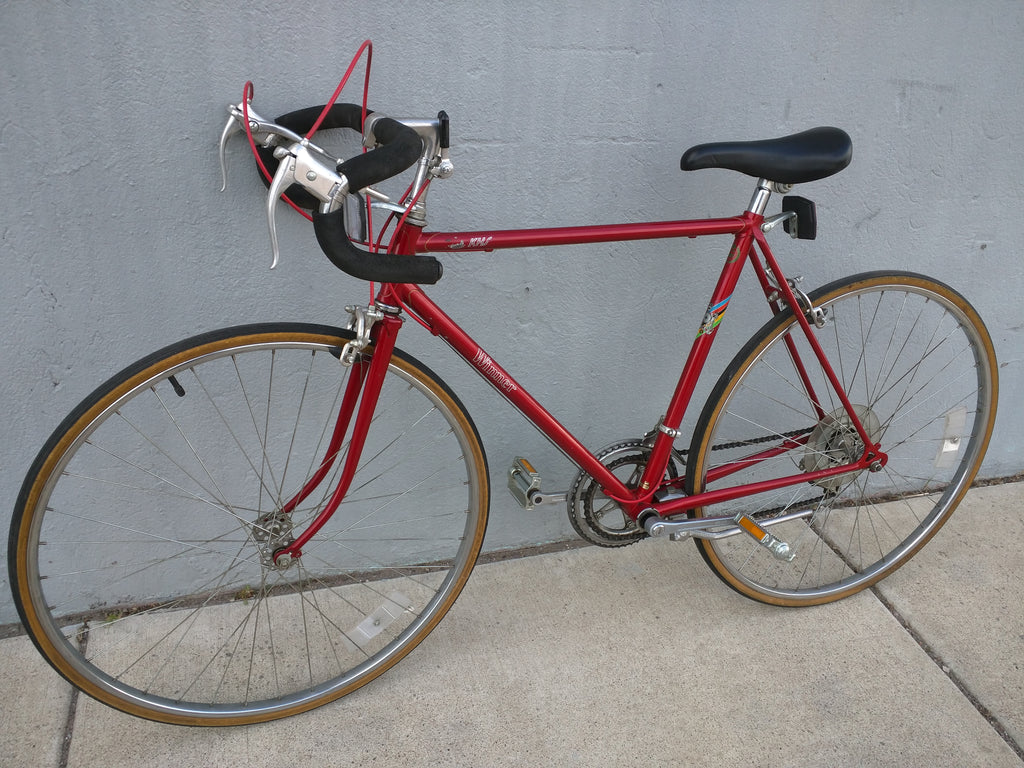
(377, 325)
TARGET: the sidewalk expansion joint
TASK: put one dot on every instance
(69, 722)
(953, 677)
(69, 729)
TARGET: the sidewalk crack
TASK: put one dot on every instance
(69, 729)
(69, 722)
(953, 677)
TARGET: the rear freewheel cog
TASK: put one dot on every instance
(599, 519)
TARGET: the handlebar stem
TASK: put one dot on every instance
(430, 131)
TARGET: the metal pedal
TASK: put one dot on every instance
(524, 485)
(773, 544)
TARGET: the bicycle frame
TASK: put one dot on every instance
(749, 245)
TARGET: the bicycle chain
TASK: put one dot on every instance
(757, 440)
(765, 514)
(751, 441)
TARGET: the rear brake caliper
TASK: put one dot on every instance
(817, 316)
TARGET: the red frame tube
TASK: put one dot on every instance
(746, 230)
(365, 385)
(348, 405)
(488, 240)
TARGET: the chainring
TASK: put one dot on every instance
(599, 519)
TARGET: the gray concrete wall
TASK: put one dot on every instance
(115, 240)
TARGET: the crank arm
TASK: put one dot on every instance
(712, 527)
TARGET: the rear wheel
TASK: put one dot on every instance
(141, 546)
(919, 368)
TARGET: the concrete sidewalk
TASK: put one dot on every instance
(638, 656)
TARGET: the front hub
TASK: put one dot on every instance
(272, 533)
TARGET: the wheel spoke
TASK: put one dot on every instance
(153, 539)
(918, 369)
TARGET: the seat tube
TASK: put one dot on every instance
(668, 430)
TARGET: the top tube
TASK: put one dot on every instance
(489, 240)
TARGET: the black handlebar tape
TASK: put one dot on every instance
(377, 267)
(402, 147)
(300, 121)
(339, 116)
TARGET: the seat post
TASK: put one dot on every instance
(763, 193)
(759, 202)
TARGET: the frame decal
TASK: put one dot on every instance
(487, 367)
(713, 317)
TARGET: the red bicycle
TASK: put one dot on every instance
(261, 519)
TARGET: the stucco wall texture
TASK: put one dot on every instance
(116, 240)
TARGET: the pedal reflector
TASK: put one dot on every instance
(775, 545)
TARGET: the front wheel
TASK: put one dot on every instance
(142, 544)
(919, 369)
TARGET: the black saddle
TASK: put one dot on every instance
(795, 159)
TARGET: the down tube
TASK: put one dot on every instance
(443, 326)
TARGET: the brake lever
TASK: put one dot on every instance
(283, 179)
(264, 132)
(300, 158)
(230, 129)
(306, 165)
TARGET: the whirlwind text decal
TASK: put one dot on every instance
(487, 367)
